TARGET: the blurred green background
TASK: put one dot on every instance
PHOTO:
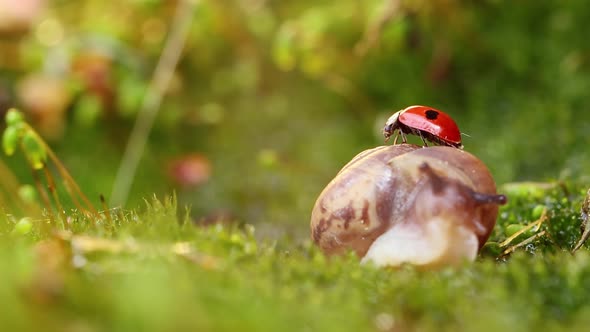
(271, 98)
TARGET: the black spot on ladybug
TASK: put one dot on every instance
(431, 114)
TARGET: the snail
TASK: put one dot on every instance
(397, 204)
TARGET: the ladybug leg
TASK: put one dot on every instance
(404, 139)
(395, 138)
(422, 138)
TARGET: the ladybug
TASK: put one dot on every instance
(427, 122)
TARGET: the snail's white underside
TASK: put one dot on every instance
(436, 242)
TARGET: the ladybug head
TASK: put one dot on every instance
(391, 125)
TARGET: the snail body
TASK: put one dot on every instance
(406, 204)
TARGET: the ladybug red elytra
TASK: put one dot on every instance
(427, 122)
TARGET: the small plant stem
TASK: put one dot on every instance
(10, 185)
(70, 183)
(584, 213)
(4, 197)
(107, 211)
(44, 196)
(3, 200)
(537, 223)
(153, 98)
(523, 243)
(75, 200)
(374, 30)
(53, 190)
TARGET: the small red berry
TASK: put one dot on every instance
(427, 122)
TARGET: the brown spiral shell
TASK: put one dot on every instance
(403, 184)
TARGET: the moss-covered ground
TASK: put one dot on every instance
(153, 270)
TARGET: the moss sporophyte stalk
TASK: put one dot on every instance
(19, 135)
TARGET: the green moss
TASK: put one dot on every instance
(161, 273)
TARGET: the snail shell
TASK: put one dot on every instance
(406, 204)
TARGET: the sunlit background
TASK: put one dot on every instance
(270, 98)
